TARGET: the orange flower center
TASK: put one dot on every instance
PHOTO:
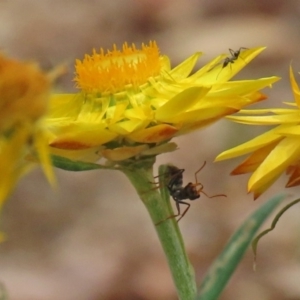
(110, 72)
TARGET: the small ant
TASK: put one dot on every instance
(230, 60)
(180, 193)
(234, 56)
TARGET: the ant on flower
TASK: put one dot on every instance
(179, 192)
(234, 56)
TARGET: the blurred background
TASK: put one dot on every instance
(91, 238)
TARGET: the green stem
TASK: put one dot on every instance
(168, 231)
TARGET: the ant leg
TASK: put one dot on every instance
(172, 216)
(232, 52)
(186, 210)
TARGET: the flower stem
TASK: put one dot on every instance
(168, 231)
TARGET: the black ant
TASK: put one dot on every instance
(230, 60)
(179, 193)
(234, 56)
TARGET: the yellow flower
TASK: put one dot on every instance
(273, 152)
(132, 103)
(24, 93)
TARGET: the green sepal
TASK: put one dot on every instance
(72, 165)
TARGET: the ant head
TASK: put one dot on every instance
(192, 192)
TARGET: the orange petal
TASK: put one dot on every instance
(254, 160)
(154, 134)
(294, 172)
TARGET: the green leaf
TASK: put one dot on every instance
(71, 165)
(223, 267)
(274, 222)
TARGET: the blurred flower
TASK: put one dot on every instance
(132, 103)
(24, 94)
(273, 152)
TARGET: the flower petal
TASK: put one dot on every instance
(295, 87)
(254, 160)
(242, 87)
(267, 120)
(185, 68)
(252, 145)
(81, 136)
(181, 102)
(200, 115)
(277, 111)
(155, 134)
(283, 155)
(293, 130)
(126, 127)
(163, 148)
(222, 74)
(122, 153)
(294, 172)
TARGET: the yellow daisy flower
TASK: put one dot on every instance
(132, 103)
(273, 152)
(24, 94)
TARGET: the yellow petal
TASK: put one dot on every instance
(260, 141)
(142, 112)
(64, 105)
(217, 113)
(116, 112)
(254, 160)
(283, 155)
(164, 148)
(233, 101)
(126, 127)
(295, 87)
(267, 120)
(262, 188)
(11, 166)
(155, 134)
(122, 153)
(261, 111)
(241, 87)
(181, 102)
(293, 130)
(200, 115)
(208, 67)
(186, 67)
(80, 136)
(222, 74)
(41, 146)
